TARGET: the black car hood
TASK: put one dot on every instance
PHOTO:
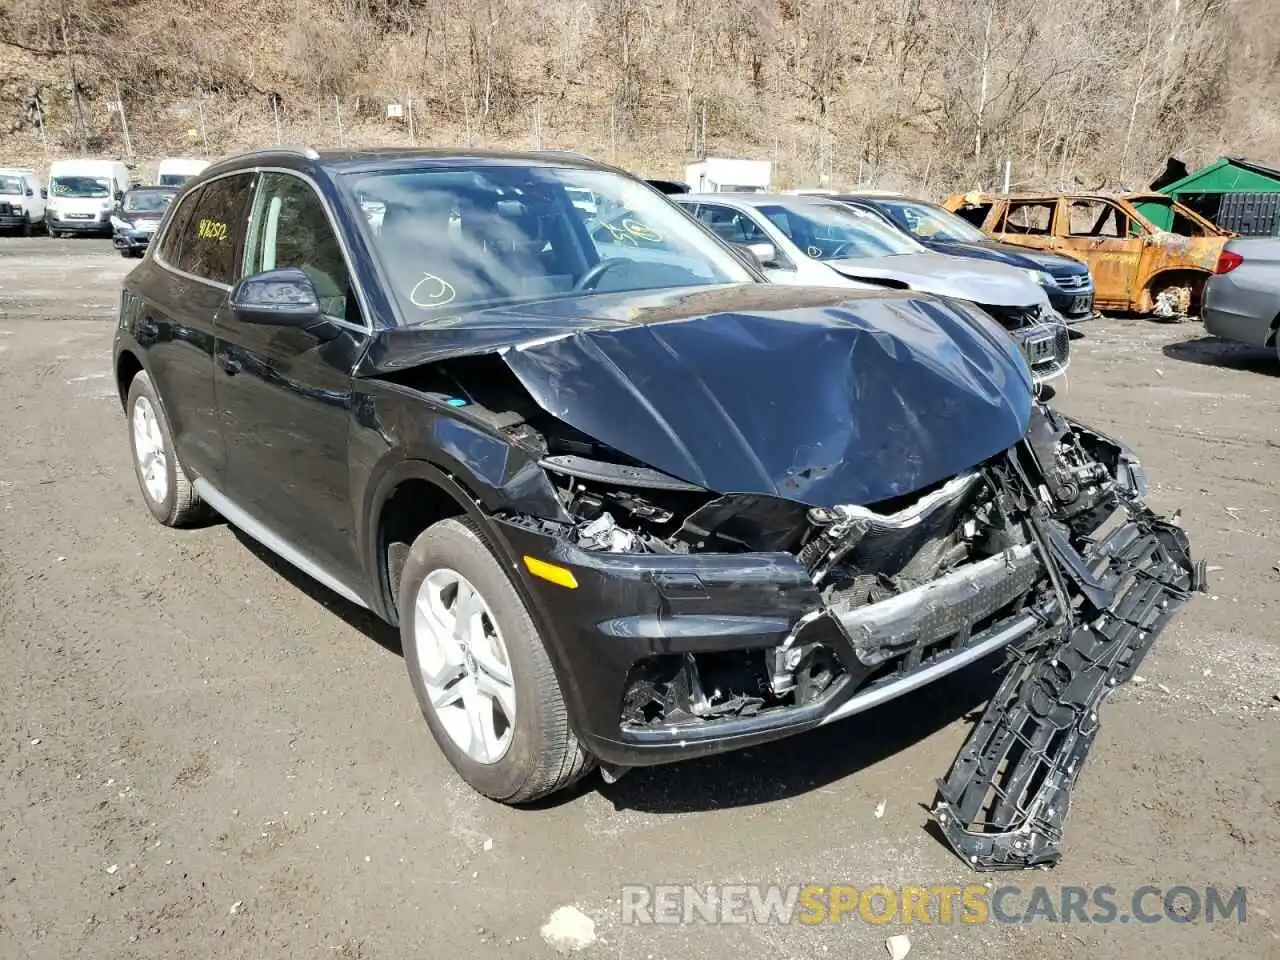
(821, 396)
(1009, 253)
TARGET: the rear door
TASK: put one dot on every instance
(285, 394)
(182, 293)
(1111, 242)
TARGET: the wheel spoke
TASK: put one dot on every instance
(448, 692)
(479, 722)
(466, 611)
(488, 661)
(441, 658)
(493, 689)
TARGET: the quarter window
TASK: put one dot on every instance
(209, 232)
(290, 228)
(170, 246)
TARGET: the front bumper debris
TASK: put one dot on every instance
(1003, 804)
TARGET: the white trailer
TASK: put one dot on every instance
(728, 175)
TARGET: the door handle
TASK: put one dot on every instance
(229, 366)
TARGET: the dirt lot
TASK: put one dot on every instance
(202, 754)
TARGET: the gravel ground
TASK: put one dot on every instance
(201, 752)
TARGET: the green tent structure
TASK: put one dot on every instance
(1234, 193)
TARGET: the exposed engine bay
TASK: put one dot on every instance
(1051, 532)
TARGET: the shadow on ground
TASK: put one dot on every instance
(1215, 352)
(380, 632)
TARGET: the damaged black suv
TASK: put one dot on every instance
(626, 502)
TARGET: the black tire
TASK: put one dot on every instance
(545, 755)
(181, 505)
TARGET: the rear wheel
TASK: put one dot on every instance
(480, 669)
(164, 483)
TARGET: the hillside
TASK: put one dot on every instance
(928, 94)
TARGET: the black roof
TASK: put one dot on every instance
(390, 158)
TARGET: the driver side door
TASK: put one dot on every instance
(284, 392)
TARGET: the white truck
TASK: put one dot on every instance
(83, 195)
(175, 171)
(728, 175)
(21, 200)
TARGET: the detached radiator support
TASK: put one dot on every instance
(1003, 803)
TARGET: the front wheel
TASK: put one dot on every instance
(480, 669)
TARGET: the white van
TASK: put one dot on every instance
(175, 171)
(83, 195)
(21, 200)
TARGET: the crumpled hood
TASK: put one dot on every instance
(851, 399)
(978, 281)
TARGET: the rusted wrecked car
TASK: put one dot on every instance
(1148, 254)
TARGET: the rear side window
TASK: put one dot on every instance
(170, 248)
(210, 231)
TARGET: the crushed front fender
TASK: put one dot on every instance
(1005, 800)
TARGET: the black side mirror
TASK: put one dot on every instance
(284, 297)
(119, 196)
(44, 193)
(30, 192)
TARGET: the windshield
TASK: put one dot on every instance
(930, 223)
(12, 186)
(826, 231)
(450, 238)
(174, 179)
(147, 201)
(80, 187)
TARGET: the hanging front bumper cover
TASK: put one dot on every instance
(1003, 804)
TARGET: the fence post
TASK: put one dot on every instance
(275, 109)
(337, 109)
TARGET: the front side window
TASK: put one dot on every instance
(828, 231)
(208, 246)
(470, 237)
(930, 223)
(80, 187)
(290, 228)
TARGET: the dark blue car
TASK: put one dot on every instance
(1065, 279)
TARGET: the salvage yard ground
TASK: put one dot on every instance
(202, 753)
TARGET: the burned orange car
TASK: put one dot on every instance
(1147, 253)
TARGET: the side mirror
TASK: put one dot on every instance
(119, 196)
(747, 254)
(44, 193)
(30, 192)
(284, 297)
(766, 253)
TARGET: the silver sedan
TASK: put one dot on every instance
(1242, 299)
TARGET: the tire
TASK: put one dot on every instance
(173, 500)
(543, 754)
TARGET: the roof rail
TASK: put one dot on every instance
(307, 152)
(577, 154)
